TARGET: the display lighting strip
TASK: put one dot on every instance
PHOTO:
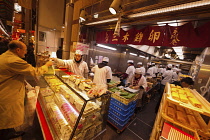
(102, 21)
(133, 54)
(172, 8)
(106, 47)
(3, 30)
(142, 56)
(179, 52)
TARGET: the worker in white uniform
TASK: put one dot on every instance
(140, 65)
(76, 66)
(130, 70)
(149, 72)
(166, 77)
(138, 81)
(175, 68)
(154, 70)
(102, 73)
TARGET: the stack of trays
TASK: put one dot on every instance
(119, 113)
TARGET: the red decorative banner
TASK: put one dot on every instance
(170, 36)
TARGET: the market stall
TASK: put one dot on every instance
(70, 108)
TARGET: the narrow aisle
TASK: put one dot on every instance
(140, 128)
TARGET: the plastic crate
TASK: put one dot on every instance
(120, 104)
(121, 110)
(116, 124)
(118, 114)
(122, 99)
(118, 120)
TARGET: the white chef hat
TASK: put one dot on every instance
(169, 65)
(106, 59)
(177, 65)
(130, 61)
(139, 63)
(78, 52)
(138, 71)
(178, 70)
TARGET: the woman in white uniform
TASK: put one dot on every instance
(138, 81)
(130, 70)
(140, 65)
(102, 73)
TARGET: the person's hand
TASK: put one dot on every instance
(49, 63)
(52, 59)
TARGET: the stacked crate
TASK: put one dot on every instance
(120, 113)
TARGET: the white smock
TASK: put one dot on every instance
(143, 70)
(154, 71)
(167, 77)
(150, 72)
(130, 71)
(101, 75)
(74, 67)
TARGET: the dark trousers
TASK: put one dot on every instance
(6, 133)
(162, 87)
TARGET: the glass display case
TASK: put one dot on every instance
(74, 108)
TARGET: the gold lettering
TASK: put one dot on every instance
(125, 37)
(138, 37)
(107, 38)
(154, 36)
(114, 38)
(174, 37)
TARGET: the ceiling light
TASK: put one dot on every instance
(171, 8)
(133, 54)
(115, 6)
(106, 47)
(63, 26)
(95, 15)
(142, 56)
(179, 53)
(102, 21)
(83, 15)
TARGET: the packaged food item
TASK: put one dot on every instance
(195, 102)
(193, 122)
(172, 85)
(175, 96)
(180, 117)
(171, 112)
(183, 98)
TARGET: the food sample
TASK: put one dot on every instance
(188, 111)
(179, 108)
(171, 112)
(193, 121)
(175, 95)
(183, 98)
(180, 117)
(195, 102)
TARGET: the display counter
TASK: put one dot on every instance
(182, 110)
(68, 108)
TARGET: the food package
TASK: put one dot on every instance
(179, 108)
(193, 122)
(172, 85)
(181, 117)
(65, 91)
(188, 111)
(183, 98)
(189, 94)
(172, 105)
(174, 89)
(175, 96)
(181, 92)
(195, 102)
(171, 112)
(178, 87)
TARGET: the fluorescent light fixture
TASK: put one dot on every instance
(181, 57)
(147, 57)
(158, 46)
(172, 8)
(179, 53)
(106, 47)
(83, 15)
(95, 15)
(133, 54)
(167, 55)
(142, 56)
(63, 26)
(102, 21)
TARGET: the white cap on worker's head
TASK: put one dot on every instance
(169, 65)
(106, 59)
(177, 65)
(139, 63)
(138, 71)
(178, 70)
(78, 52)
(153, 63)
(130, 61)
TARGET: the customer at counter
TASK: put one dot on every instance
(13, 70)
(102, 73)
(138, 82)
(76, 66)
